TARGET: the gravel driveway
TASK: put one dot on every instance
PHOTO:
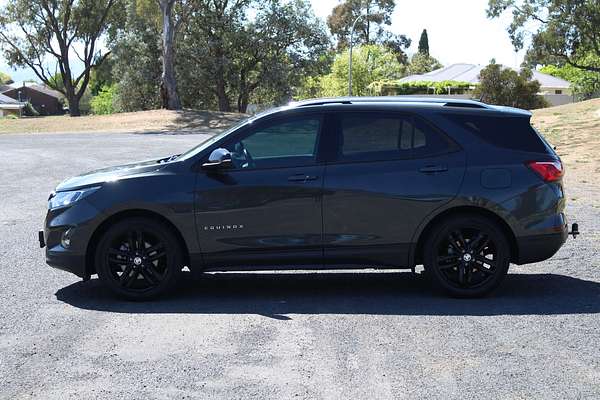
(277, 336)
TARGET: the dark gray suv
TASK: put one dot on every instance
(462, 187)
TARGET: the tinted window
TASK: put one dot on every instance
(382, 137)
(508, 132)
(281, 144)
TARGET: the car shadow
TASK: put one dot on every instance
(278, 295)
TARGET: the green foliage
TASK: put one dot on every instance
(585, 84)
(102, 76)
(106, 101)
(5, 79)
(40, 34)
(396, 88)
(30, 111)
(10, 116)
(369, 64)
(136, 60)
(507, 87)
(564, 30)
(424, 43)
(370, 29)
(421, 63)
(230, 60)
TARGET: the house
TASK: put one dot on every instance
(45, 100)
(555, 90)
(10, 106)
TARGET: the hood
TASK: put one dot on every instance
(112, 174)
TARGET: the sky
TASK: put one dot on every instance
(458, 31)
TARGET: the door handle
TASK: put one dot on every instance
(432, 169)
(302, 178)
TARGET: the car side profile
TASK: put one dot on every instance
(461, 187)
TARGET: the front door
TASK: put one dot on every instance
(389, 172)
(266, 209)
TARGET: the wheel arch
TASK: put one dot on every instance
(121, 215)
(417, 256)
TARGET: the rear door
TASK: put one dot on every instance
(387, 173)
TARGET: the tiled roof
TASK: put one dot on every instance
(38, 88)
(8, 100)
(470, 73)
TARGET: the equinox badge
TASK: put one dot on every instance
(222, 227)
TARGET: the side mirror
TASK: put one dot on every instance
(219, 159)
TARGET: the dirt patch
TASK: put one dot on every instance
(143, 121)
(574, 130)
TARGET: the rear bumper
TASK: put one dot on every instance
(540, 247)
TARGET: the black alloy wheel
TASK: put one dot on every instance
(139, 259)
(468, 256)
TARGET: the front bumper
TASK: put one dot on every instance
(72, 263)
(80, 221)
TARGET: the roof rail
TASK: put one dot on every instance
(393, 99)
(465, 105)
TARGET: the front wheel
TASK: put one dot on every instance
(467, 256)
(139, 259)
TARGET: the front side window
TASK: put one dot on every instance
(373, 137)
(281, 144)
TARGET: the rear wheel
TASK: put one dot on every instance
(139, 259)
(467, 256)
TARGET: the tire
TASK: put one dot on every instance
(467, 256)
(139, 259)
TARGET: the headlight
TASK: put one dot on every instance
(63, 199)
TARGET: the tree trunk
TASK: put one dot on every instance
(73, 99)
(243, 97)
(243, 103)
(224, 103)
(168, 85)
(74, 110)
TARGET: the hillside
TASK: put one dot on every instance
(575, 131)
(142, 121)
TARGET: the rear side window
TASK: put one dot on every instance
(513, 133)
(374, 137)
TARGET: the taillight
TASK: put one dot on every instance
(549, 171)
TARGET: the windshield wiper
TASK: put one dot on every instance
(168, 159)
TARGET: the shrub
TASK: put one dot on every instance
(397, 88)
(507, 87)
(105, 101)
(30, 111)
(369, 63)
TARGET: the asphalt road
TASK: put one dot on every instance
(277, 336)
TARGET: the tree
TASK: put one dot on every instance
(369, 64)
(507, 87)
(235, 59)
(136, 51)
(424, 43)
(585, 84)
(5, 79)
(566, 29)
(170, 25)
(34, 31)
(421, 63)
(371, 29)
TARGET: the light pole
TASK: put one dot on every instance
(350, 56)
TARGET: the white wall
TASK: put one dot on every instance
(558, 99)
